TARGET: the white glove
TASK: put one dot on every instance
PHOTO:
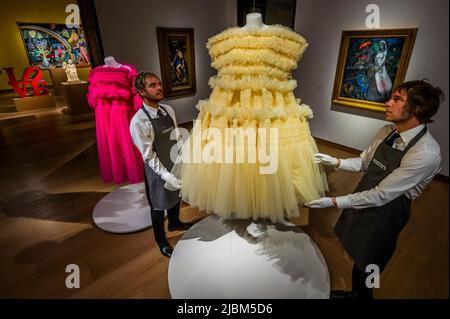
(342, 202)
(325, 159)
(323, 202)
(172, 183)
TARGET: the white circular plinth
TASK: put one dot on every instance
(237, 259)
(124, 210)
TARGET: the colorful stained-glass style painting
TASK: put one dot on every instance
(371, 64)
(49, 45)
(371, 68)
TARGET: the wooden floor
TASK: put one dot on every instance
(49, 185)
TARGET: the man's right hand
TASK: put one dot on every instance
(174, 182)
(326, 159)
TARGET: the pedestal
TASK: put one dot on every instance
(58, 76)
(76, 97)
(125, 210)
(245, 259)
(34, 102)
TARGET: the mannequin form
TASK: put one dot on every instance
(254, 20)
(112, 63)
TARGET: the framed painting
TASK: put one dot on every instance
(50, 44)
(371, 64)
(177, 61)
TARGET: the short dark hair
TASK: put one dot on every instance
(139, 82)
(423, 99)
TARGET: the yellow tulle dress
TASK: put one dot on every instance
(252, 93)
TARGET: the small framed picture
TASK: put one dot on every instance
(177, 61)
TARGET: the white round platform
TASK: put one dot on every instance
(236, 259)
(124, 210)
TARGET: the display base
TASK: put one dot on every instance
(58, 76)
(75, 93)
(245, 259)
(34, 102)
(124, 210)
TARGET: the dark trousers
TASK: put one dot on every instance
(173, 214)
(359, 288)
(158, 221)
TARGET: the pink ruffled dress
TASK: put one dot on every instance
(112, 95)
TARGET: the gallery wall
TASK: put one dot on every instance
(321, 22)
(12, 51)
(128, 31)
(134, 40)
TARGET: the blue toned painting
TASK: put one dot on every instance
(178, 63)
(371, 67)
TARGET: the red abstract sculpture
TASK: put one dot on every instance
(31, 76)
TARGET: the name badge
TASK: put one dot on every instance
(379, 164)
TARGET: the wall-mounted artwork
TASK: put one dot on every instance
(371, 64)
(50, 44)
(177, 60)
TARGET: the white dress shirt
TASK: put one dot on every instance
(417, 169)
(143, 135)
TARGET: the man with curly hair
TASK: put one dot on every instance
(401, 161)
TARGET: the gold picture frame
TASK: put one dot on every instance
(371, 64)
(177, 61)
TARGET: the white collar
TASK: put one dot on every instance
(408, 135)
(153, 112)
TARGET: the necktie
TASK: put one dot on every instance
(159, 112)
(390, 141)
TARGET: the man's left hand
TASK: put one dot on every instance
(323, 202)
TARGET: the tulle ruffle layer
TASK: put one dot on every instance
(249, 113)
(244, 82)
(239, 189)
(276, 31)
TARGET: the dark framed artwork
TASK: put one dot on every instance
(371, 64)
(89, 19)
(50, 44)
(272, 11)
(177, 61)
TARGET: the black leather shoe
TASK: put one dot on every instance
(341, 294)
(166, 250)
(180, 226)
